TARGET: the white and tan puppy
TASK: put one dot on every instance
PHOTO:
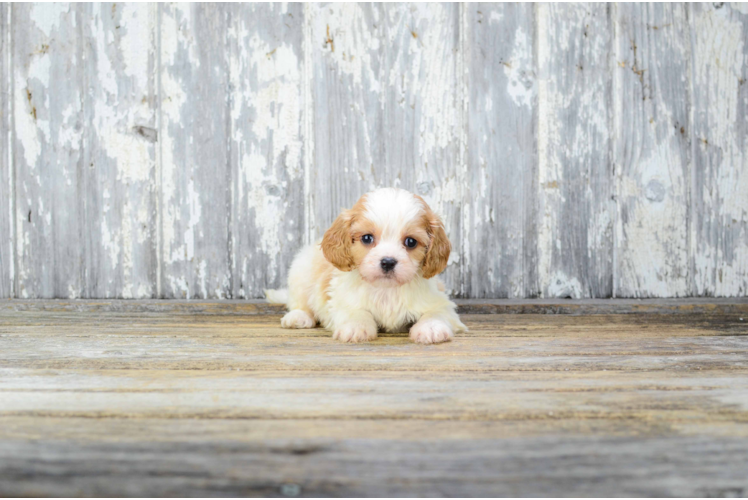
(374, 269)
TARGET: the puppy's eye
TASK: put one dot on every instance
(367, 239)
(410, 242)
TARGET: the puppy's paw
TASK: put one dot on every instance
(355, 332)
(431, 331)
(298, 319)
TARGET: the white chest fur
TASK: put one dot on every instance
(393, 308)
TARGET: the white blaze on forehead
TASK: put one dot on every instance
(391, 209)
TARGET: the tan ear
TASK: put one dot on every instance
(336, 244)
(439, 248)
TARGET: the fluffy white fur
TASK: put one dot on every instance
(341, 284)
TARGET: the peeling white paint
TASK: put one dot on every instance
(350, 41)
(548, 171)
(109, 244)
(194, 207)
(266, 208)
(495, 17)
(46, 16)
(25, 127)
(275, 96)
(519, 70)
(172, 99)
(741, 7)
(136, 43)
(7, 175)
(435, 87)
(720, 256)
(202, 276)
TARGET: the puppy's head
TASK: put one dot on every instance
(390, 236)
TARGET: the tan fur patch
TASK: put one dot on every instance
(437, 254)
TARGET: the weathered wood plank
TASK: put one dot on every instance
(652, 145)
(550, 466)
(267, 149)
(255, 431)
(7, 237)
(373, 395)
(119, 150)
(719, 200)
(48, 136)
(692, 306)
(385, 88)
(499, 236)
(195, 169)
(576, 209)
(495, 343)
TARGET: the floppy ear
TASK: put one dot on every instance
(437, 254)
(336, 244)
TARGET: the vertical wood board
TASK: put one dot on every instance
(47, 146)
(195, 174)
(576, 209)
(651, 153)
(719, 199)
(499, 237)
(267, 144)
(119, 149)
(6, 184)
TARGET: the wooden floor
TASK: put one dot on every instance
(144, 399)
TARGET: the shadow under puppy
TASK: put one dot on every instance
(375, 268)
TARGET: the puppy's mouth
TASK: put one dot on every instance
(388, 279)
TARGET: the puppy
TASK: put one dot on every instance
(374, 269)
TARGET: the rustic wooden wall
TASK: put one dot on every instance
(187, 151)
(6, 181)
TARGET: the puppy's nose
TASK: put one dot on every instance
(388, 264)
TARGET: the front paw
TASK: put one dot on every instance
(297, 319)
(355, 332)
(431, 331)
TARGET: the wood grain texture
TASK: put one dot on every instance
(500, 236)
(267, 148)
(652, 150)
(385, 88)
(47, 149)
(719, 204)
(116, 403)
(195, 169)
(7, 238)
(252, 307)
(693, 466)
(575, 193)
(119, 149)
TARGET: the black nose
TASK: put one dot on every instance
(388, 264)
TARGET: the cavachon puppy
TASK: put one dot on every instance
(375, 269)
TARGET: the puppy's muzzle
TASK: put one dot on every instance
(388, 264)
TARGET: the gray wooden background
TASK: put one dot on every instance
(187, 151)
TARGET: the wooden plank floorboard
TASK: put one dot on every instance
(252, 307)
(119, 402)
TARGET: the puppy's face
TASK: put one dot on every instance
(390, 236)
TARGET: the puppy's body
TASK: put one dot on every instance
(355, 287)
